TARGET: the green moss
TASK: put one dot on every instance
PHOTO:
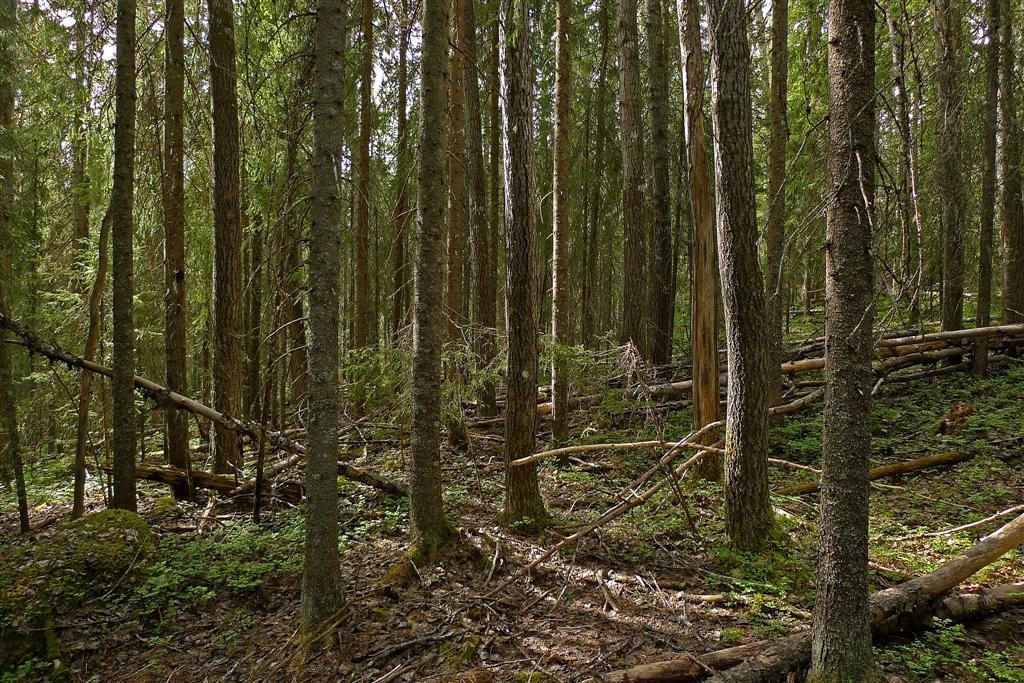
(103, 554)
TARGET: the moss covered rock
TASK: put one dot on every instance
(101, 554)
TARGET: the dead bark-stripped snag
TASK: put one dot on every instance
(890, 470)
(169, 399)
(769, 661)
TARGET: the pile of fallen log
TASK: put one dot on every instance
(907, 604)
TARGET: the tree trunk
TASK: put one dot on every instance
(775, 230)
(227, 233)
(748, 512)
(1012, 201)
(431, 531)
(175, 297)
(13, 463)
(362, 312)
(704, 271)
(496, 192)
(122, 203)
(911, 225)
(662, 292)
(400, 307)
(589, 299)
(948, 43)
(92, 340)
(841, 647)
(322, 592)
(988, 183)
(524, 506)
(483, 278)
(635, 252)
(560, 234)
(457, 177)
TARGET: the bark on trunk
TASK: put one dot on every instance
(634, 180)
(457, 177)
(92, 341)
(775, 229)
(589, 301)
(1012, 200)
(227, 234)
(12, 464)
(483, 278)
(322, 592)
(748, 513)
(948, 44)
(704, 270)
(524, 506)
(662, 291)
(841, 649)
(988, 183)
(430, 528)
(403, 213)
(560, 234)
(362, 293)
(122, 203)
(175, 297)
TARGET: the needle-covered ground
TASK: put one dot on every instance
(198, 592)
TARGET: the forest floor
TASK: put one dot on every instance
(218, 598)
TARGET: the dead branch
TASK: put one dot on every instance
(169, 399)
(890, 470)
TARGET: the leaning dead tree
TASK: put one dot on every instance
(169, 399)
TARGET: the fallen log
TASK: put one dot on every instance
(170, 399)
(890, 470)
(957, 335)
(770, 661)
(959, 608)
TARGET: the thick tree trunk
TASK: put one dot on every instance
(775, 229)
(480, 231)
(635, 278)
(12, 464)
(175, 297)
(362, 293)
(704, 271)
(122, 203)
(1012, 199)
(948, 44)
(322, 593)
(748, 513)
(227, 233)
(841, 649)
(524, 506)
(988, 183)
(430, 528)
(662, 290)
(560, 234)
